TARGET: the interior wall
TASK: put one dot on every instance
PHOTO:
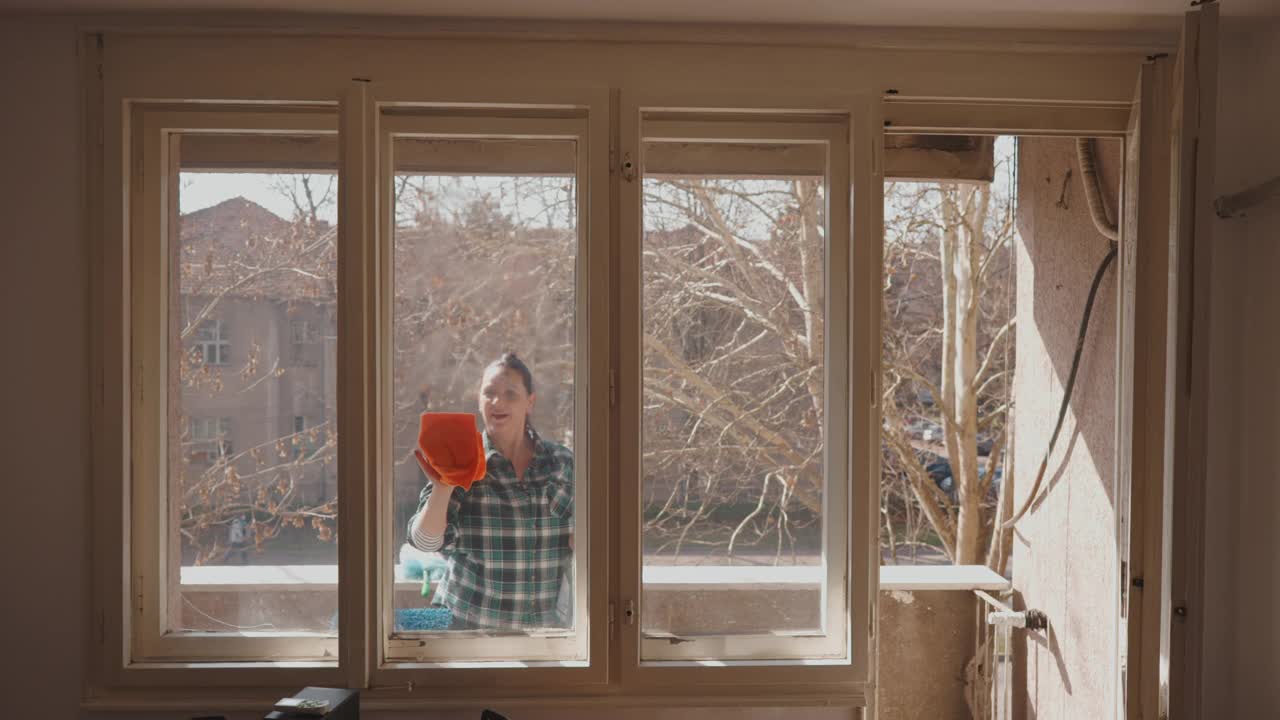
(1242, 568)
(44, 278)
(1064, 559)
(44, 286)
(43, 281)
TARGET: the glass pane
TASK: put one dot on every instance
(252, 443)
(486, 239)
(734, 286)
(943, 467)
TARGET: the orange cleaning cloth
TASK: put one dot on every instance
(453, 447)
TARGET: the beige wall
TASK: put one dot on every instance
(1242, 574)
(43, 278)
(44, 281)
(1064, 549)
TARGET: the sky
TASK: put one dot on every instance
(205, 189)
(526, 199)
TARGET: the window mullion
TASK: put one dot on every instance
(357, 379)
(866, 152)
(775, 148)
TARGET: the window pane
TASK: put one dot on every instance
(734, 381)
(252, 443)
(486, 238)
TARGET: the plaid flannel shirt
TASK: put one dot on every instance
(507, 541)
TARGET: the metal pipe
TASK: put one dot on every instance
(1093, 190)
(1234, 205)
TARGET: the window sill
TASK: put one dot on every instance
(402, 698)
(960, 578)
(398, 700)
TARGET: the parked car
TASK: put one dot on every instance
(939, 470)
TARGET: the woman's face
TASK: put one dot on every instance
(504, 403)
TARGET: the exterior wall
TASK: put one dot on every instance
(1064, 549)
(1242, 568)
(926, 640)
(262, 411)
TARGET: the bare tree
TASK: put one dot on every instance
(734, 338)
(948, 363)
(251, 258)
(734, 342)
(483, 265)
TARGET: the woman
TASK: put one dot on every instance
(507, 540)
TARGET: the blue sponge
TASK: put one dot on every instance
(427, 618)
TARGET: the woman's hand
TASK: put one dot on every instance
(432, 476)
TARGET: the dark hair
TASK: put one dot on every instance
(511, 361)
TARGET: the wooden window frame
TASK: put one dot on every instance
(152, 202)
(840, 124)
(1059, 90)
(420, 657)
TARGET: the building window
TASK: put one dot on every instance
(303, 442)
(211, 439)
(304, 337)
(301, 332)
(213, 342)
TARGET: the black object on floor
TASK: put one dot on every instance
(343, 704)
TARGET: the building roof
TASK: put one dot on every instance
(242, 249)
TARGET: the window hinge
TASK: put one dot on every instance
(612, 613)
(613, 388)
(877, 156)
(871, 619)
(629, 612)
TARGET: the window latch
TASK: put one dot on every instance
(629, 612)
(628, 167)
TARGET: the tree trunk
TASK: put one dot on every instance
(966, 207)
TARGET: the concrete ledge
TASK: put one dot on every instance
(928, 614)
(892, 577)
(942, 577)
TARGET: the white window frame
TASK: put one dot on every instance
(541, 112)
(829, 132)
(846, 123)
(1056, 91)
(152, 204)
(572, 123)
